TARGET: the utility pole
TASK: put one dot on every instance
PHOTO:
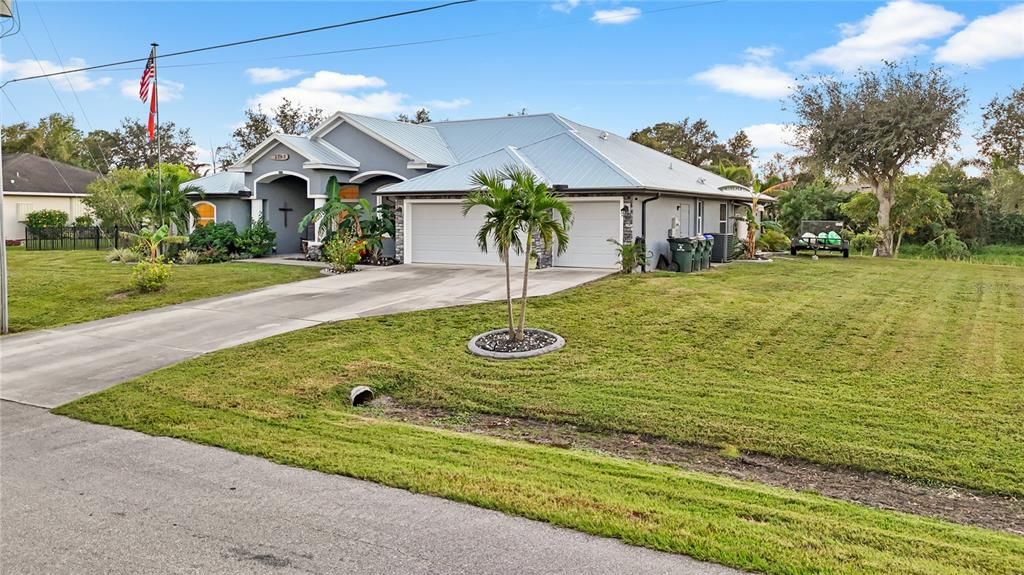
(4, 322)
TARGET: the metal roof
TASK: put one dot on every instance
(318, 151)
(457, 178)
(221, 183)
(469, 139)
(420, 140)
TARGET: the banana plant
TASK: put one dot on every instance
(151, 240)
(759, 188)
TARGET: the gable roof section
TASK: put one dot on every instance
(221, 184)
(318, 153)
(28, 173)
(470, 139)
(457, 178)
(419, 143)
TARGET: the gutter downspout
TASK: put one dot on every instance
(643, 226)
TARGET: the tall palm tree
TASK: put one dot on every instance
(170, 205)
(536, 214)
(501, 223)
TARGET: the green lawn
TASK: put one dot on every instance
(53, 288)
(997, 254)
(907, 367)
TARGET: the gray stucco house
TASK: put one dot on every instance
(618, 189)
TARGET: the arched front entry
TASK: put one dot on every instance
(284, 204)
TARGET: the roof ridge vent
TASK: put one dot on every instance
(603, 136)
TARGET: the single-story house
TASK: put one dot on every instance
(618, 189)
(33, 183)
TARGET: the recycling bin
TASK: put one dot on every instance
(709, 246)
(683, 254)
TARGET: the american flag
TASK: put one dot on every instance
(146, 85)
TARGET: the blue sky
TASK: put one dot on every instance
(616, 65)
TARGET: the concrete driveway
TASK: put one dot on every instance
(50, 367)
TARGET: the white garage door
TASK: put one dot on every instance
(440, 234)
(594, 223)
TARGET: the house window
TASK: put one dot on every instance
(700, 216)
(349, 193)
(23, 209)
(723, 217)
(207, 213)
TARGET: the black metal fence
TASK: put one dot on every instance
(72, 238)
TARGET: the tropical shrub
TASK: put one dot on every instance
(189, 257)
(46, 219)
(84, 221)
(631, 255)
(151, 241)
(223, 237)
(773, 241)
(149, 276)
(343, 252)
(123, 255)
(1006, 228)
(864, 243)
(946, 246)
(259, 239)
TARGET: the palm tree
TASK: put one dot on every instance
(501, 223)
(537, 206)
(152, 239)
(335, 210)
(757, 188)
(738, 174)
(171, 205)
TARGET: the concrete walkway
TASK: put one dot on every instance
(47, 368)
(83, 498)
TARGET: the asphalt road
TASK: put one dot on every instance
(83, 498)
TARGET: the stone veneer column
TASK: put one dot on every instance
(400, 230)
(544, 252)
(627, 220)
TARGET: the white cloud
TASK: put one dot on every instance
(761, 53)
(325, 80)
(79, 81)
(168, 90)
(751, 79)
(271, 75)
(333, 91)
(453, 104)
(565, 6)
(892, 32)
(770, 137)
(994, 37)
(623, 15)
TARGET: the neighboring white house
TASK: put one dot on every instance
(32, 183)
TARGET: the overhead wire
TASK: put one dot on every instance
(387, 16)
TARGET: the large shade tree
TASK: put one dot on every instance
(1002, 133)
(876, 125)
(696, 143)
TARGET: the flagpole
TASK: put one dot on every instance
(159, 153)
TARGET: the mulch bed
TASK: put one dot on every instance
(503, 342)
(879, 490)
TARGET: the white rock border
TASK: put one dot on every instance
(476, 350)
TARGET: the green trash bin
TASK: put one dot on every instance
(709, 246)
(682, 251)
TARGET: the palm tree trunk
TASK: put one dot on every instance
(526, 278)
(508, 293)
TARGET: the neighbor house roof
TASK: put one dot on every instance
(566, 153)
(28, 173)
(221, 184)
(318, 153)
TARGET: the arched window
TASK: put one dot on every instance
(207, 213)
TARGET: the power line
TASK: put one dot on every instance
(440, 40)
(251, 40)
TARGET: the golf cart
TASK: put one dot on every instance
(820, 235)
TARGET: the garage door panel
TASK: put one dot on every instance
(594, 223)
(441, 234)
